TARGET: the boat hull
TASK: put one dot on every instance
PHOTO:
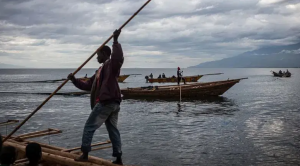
(121, 78)
(281, 75)
(197, 90)
(170, 79)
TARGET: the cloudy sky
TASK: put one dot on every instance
(167, 33)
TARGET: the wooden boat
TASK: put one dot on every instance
(171, 79)
(121, 78)
(188, 91)
(174, 79)
(53, 155)
(286, 74)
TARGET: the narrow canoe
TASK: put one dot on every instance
(187, 91)
(170, 79)
(121, 78)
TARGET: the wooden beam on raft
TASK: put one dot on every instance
(99, 148)
(25, 142)
(42, 162)
(73, 156)
(47, 146)
(8, 122)
(38, 134)
(21, 161)
(96, 144)
(92, 159)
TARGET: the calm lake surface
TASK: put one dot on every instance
(256, 122)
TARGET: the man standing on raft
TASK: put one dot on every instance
(105, 99)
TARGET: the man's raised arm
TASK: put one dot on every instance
(117, 57)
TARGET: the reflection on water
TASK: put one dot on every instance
(217, 105)
(275, 139)
(256, 122)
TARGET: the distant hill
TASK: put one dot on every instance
(3, 66)
(269, 57)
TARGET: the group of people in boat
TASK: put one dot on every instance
(287, 72)
(282, 73)
(8, 154)
(161, 76)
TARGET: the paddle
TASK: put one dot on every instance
(47, 99)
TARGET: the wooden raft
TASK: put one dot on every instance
(53, 155)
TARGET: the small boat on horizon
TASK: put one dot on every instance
(282, 74)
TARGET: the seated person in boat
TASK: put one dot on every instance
(8, 156)
(163, 75)
(287, 71)
(151, 75)
(33, 154)
(85, 76)
(147, 79)
(173, 76)
(159, 76)
(280, 72)
(105, 99)
(179, 76)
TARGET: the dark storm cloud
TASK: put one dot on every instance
(204, 30)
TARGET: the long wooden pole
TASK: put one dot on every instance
(79, 68)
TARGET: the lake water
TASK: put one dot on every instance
(256, 122)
